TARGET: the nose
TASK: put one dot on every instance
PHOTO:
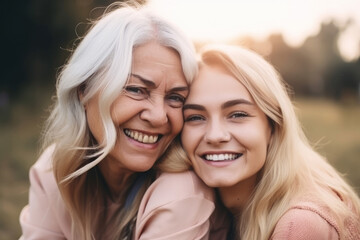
(155, 112)
(217, 132)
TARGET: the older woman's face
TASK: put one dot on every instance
(225, 133)
(148, 114)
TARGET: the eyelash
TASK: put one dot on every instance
(235, 115)
(238, 115)
(193, 118)
(136, 90)
(140, 93)
(177, 98)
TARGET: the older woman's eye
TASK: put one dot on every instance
(136, 92)
(176, 100)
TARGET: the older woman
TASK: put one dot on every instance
(118, 109)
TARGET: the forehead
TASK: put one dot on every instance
(214, 84)
(154, 53)
(156, 63)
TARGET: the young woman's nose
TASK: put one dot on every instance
(216, 132)
(155, 112)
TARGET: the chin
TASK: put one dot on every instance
(143, 167)
(212, 183)
(217, 183)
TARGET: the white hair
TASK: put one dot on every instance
(102, 61)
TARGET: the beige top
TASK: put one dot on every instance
(312, 220)
(175, 206)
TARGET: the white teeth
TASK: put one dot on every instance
(141, 137)
(221, 157)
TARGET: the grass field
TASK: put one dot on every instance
(334, 128)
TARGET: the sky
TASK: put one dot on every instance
(218, 21)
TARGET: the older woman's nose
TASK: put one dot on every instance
(155, 113)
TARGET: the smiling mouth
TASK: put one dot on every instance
(142, 137)
(221, 157)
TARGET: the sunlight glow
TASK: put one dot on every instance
(210, 20)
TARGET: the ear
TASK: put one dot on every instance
(271, 130)
(80, 94)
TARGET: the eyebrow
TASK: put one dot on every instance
(223, 106)
(147, 82)
(179, 89)
(194, 107)
(235, 102)
(151, 84)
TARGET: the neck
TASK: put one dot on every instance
(236, 197)
(117, 179)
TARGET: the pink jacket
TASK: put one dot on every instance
(175, 206)
(308, 219)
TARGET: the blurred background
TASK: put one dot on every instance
(315, 46)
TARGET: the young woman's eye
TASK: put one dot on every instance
(176, 100)
(193, 118)
(136, 92)
(239, 115)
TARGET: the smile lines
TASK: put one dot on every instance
(141, 137)
(222, 157)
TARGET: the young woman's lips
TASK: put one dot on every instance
(220, 159)
(221, 156)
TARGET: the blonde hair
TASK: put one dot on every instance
(292, 167)
(102, 62)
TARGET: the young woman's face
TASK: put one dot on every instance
(148, 114)
(225, 133)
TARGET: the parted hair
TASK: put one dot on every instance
(292, 166)
(102, 63)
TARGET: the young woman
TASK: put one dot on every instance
(243, 138)
(118, 108)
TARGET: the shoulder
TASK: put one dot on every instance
(44, 162)
(41, 174)
(306, 221)
(182, 184)
(45, 216)
(177, 190)
(175, 206)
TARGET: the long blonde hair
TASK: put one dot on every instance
(292, 166)
(102, 62)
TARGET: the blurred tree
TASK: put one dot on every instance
(343, 81)
(36, 36)
(322, 53)
(316, 68)
(290, 63)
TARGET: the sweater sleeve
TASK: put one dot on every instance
(304, 224)
(176, 206)
(44, 216)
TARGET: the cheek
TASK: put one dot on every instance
(191, 139)
(123, 110)
(186, 140)
(94, 122)
(176, 119)
(120, 110)
(255, 138)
